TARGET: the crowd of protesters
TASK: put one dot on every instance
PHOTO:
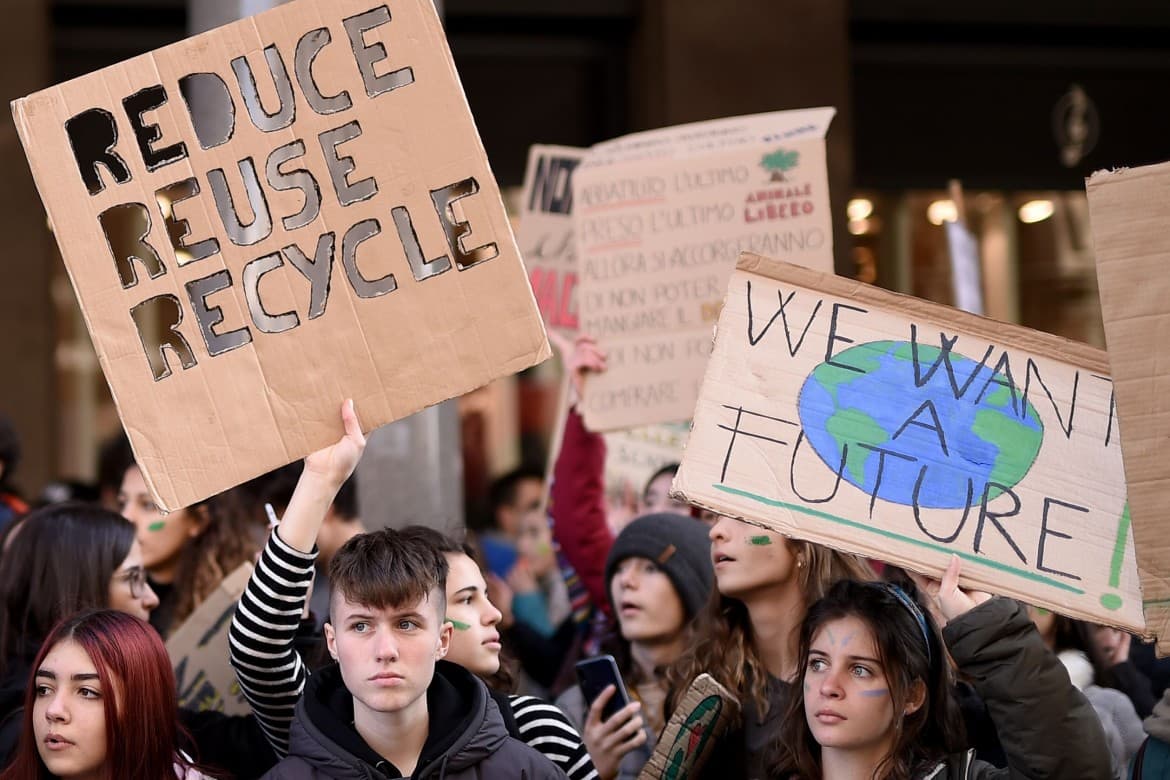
(408, 652)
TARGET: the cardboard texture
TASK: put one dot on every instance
(545, 233)
(703, 714)
(322, 224)
(906, 431)
(660, 218)
(199, 651)
(1127, 209)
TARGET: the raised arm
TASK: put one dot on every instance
(577, 497)
(1047, 727)
(271, 673)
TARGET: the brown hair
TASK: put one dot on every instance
(724, 646)
(390, 568)
(228, 539)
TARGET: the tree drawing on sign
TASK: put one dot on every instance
(780, 161)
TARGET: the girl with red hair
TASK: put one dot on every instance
(101, 704)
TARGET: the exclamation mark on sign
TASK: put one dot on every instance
(1112, 600)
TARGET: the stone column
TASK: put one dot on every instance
(28, 392)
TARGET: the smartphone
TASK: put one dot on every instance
(499, 555)
(594, 675)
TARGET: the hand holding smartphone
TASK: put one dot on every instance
(595, 675)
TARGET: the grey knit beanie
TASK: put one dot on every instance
(678, 545)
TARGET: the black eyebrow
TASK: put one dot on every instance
(76, 678)
(472, 588)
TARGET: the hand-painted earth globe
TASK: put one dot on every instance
(950, 427)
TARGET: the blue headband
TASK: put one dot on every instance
(913, 608)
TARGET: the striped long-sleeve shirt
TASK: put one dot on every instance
(272, 674)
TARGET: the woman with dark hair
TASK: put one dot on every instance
(874, 695)
(188, 552)
(272, 675)
(67, 558)
(101, 704)
(747, 636)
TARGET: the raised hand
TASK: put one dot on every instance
(336, 462)
(950, 600)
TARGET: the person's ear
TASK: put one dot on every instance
(331, 640)
(199, 518)
(444, 644)
(915, 697)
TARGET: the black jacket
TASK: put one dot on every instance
(467, 737)
(1046, 726)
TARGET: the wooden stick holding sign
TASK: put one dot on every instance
(906, 431)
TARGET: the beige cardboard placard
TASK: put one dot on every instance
(199, 651)
(632, 457)
(1128, 213)
(545, 233)
(906, 431)
(704, 713)
(299, 205)
(660, 218)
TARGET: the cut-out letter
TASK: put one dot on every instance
(178, 229)
(365, 288)
(420, 267)
(92, 136)
(308, 46)
(261, 225)
(267, 323)
(126, 227)
(319, 271)
(162, 315)
(457, 230)
(211, 108)
(147, 133)
(284, 115)
(209, 316)
(296, 179)
(367, 55)
(341, 167)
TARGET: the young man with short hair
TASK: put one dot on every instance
(390, 707)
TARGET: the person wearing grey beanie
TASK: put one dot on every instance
(658, 575)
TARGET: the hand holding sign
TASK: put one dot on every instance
(949, 599)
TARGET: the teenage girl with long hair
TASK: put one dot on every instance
(101, 704)
(874, 695)
(747, 637)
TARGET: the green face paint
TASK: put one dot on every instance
(459, 624)
(760, 541)
(161, 524)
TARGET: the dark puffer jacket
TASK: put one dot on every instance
(1047, 727)
(467, 741)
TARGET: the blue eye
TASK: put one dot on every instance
(360, 627)
(861, 671)
(817, 664)
(407, 625)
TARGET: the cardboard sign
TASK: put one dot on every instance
(545, 234)
(1128, 213)
(908, 431)
(199, 651)
(702, 716)
(268, 218)
(660, 218)
(632, 457)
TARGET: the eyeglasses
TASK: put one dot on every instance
(135, 577)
